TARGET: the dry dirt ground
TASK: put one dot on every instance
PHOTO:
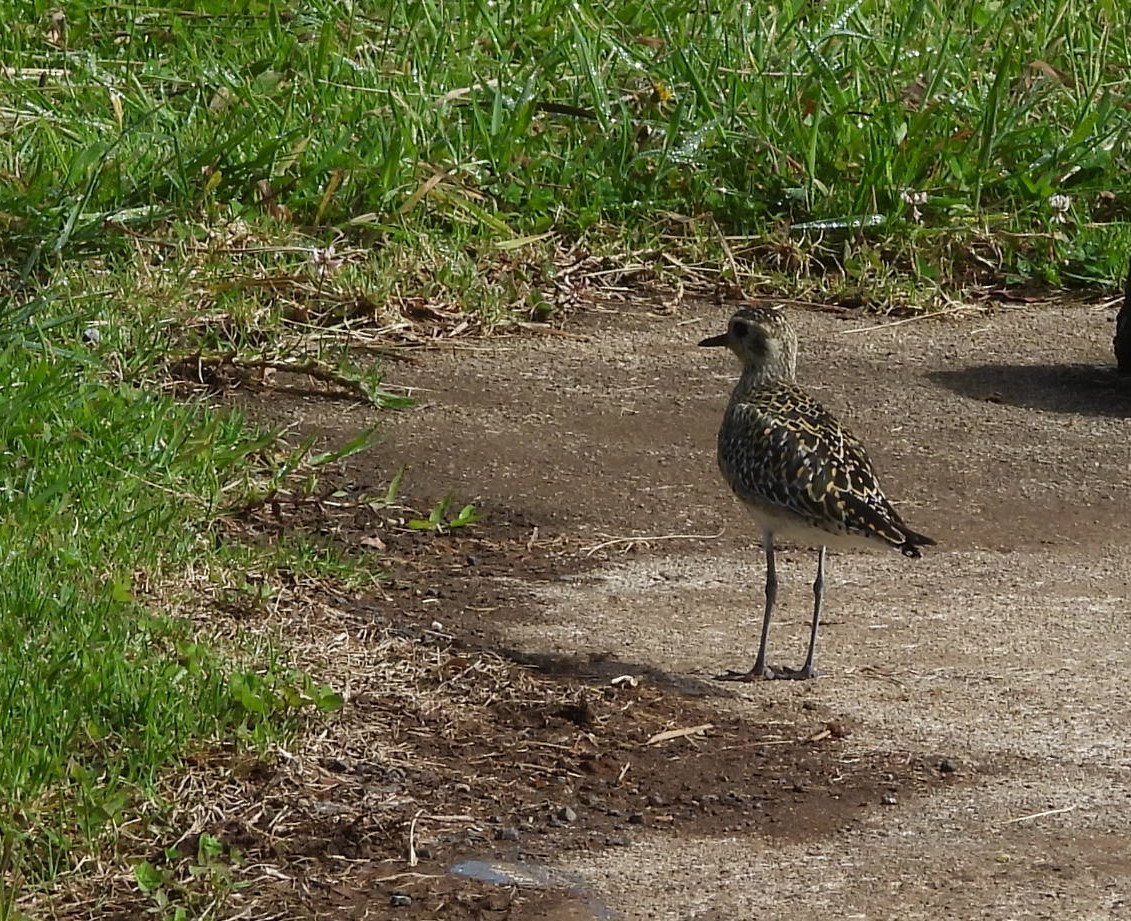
(966, 752)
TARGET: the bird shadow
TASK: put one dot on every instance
(1093, 390)
(603, 668)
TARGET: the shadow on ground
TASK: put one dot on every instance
(1095, 390)
(606, 668)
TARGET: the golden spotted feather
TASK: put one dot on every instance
(782, 451)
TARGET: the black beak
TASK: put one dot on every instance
(714, 341)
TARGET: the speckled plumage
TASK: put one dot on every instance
(781, 451)
(798, 470)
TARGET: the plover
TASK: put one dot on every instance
(801, 474)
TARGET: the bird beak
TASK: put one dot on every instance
(714, 341)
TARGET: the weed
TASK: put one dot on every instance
(438, 519)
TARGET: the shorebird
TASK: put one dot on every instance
(1122, 340)
(798, 471)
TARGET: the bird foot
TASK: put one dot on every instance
(799, 674)
(765, 673)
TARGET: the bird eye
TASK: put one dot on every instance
(739, 328)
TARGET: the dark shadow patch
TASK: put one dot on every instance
(602, 668)
(1090, 390)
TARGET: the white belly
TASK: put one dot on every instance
(786, 527)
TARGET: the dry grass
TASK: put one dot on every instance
(294, 821)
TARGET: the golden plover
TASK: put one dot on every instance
(795, 467)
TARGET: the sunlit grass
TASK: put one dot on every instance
(107, 490)
(496, 120)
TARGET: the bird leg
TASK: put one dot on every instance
(760, 669)
(807, 670)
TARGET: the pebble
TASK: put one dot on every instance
(400, 900)
(946, 766)
(656, 801)
(889, 799)
(506, 833)
(567, 815)
(637, 818)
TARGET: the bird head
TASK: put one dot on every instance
(763, 340)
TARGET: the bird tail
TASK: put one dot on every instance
(913, 541)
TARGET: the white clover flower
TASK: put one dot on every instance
(325, 260)
(914, 199)
(1060, 205)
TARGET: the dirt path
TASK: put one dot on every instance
(1001, 656)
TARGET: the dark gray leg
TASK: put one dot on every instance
(807, 670)
(760, 669)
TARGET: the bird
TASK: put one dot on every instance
(801, 474)
(1122, 341)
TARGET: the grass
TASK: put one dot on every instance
(787, 125)
(107, 490)
(264, 186)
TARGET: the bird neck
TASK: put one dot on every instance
(781, 371)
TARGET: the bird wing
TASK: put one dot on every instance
(788, 451)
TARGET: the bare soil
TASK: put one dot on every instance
(965, 754)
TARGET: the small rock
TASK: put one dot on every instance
(400, 900)
(889, 799)
(808, 705)
(637, 818)
(946, 766)
(616, 841)
(656, 801)
(92, 335)
(567, 815)
(506, 833)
